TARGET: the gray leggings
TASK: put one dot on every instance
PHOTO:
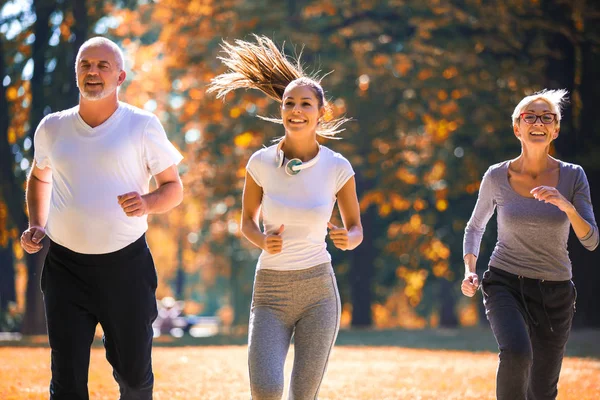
(303, 303)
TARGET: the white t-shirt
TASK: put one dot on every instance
(303, 203)
(91, 167)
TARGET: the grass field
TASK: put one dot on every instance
(378, 365)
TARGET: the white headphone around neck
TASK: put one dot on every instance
(295, 165)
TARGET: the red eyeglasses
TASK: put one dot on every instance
(531, 118)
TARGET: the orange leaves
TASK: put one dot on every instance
(244, 140)
(346, 317)
(402, 64)
(411, 158)
(4, 232)
(437, 172)
(419, 205)
(235, 112)
(385, 209)
(415, 222)
(381, 60)
(190, 108)
(12, 135)
(472, 187)
(196, 94)
(456, 94)
(450, 72)
(424, 74)
(130, 24)
(387, 202)
(11, 93)
(374, 197)
(163, 15)
(406, 176)
(396, 312)
(441, 129)
(441, 205)
(441, 269)
(318, 9)
(414, 282)
(449, 108)
(436, 250)
(414, 225)
(65, 31)
(193, 307)
(381, 316)
(399, 203)
(469, 315)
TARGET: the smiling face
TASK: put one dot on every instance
(535, 127)
(300, 110)
(98, 72)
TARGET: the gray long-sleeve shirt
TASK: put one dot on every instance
(532, 235)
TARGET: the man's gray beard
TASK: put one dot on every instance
(93, 96)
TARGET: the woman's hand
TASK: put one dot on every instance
(470, 284)
(549, 194)
(339, 236)
(273, 242)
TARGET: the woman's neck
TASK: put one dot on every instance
(302, 149)
(533, 163)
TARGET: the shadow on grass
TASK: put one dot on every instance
(582, 343)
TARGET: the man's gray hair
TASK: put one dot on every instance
(102, 41)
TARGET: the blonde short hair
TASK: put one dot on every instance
(556, 99)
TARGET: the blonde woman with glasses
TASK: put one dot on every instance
(528, 294)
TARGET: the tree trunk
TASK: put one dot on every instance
(34, 322)
(579, 63)
(585, 263)
(180, 272)
(447, 300)
(361, 273)
(7, 276)
(10, 191)
(80, 30)
(43, 9)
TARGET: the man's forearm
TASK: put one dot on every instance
(164, 198)
(38, 201)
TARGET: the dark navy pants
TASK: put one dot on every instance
(531, 320)
(116, 290)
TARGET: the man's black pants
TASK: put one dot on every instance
(116, 290)
(531, 320)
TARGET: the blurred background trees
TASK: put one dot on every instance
(431, 86)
